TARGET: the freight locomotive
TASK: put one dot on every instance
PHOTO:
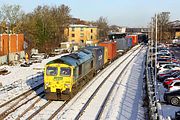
(64, 76)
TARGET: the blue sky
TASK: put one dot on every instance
(132, 13)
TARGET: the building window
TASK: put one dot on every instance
(91, 37)
(82, 35)
(73, 35)
(82, 41)
(82, 29)
(91, 30)
(73, 28)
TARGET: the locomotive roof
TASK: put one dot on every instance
(73, 59)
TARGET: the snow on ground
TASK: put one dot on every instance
(166, 109)
(47, 112)
(127, 100)
(23, 73)
(21, 79)
(73, 107)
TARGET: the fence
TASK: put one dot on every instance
(12, 57)
(154, 106)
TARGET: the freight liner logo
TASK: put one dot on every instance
(100, 57)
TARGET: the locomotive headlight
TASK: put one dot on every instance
(47, 84)
(67, 85)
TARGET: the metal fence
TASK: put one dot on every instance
(154, 106)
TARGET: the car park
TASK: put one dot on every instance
(172, 97)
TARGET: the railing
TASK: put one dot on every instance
(155, 111)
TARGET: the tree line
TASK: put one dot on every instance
(44, 27)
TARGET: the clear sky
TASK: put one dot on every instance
(131, 13)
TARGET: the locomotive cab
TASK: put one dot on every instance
(58, 81)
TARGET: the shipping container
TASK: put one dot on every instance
(98, 53)
(122, 44)
(134, 39)
(129, 39)
(105, 55)
(111, 47)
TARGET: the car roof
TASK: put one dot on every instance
(175, 81)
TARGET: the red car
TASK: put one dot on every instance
(169, 81)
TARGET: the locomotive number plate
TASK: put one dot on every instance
(58, 78)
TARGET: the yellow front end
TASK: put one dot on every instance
(58, 80)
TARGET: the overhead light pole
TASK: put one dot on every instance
(155, 75)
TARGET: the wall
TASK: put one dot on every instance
(81, 33)
(13, 42)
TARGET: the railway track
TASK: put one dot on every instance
(62, 106)
(17, 102)
(100, 74)
(92, 97)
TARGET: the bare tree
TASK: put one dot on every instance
(11, 14)
(102, 24)
(163, 26)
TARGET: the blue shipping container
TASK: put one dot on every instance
(98, 53)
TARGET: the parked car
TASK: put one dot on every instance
(175, 74)
(37, 58)
(164, 51)
(175, 85)
(169, 67)
(169, 81)
(172, 97)
(177, 115)
(26, 64)
(165, 74)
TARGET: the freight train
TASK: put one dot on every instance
(65, 76)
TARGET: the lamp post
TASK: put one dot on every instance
(155, 74)
(8, 31)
